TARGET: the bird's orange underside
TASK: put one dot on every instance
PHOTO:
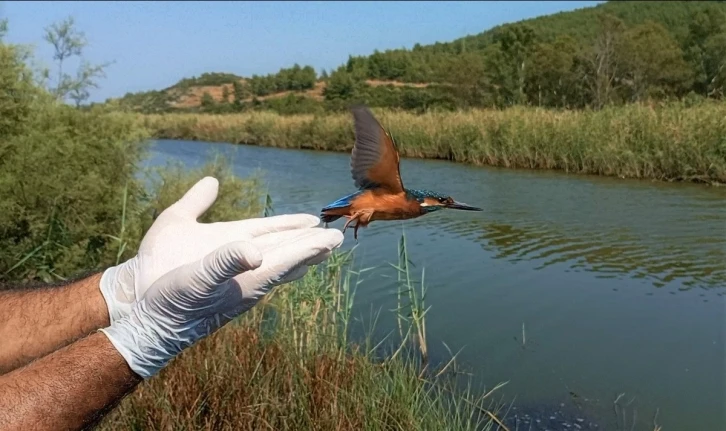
(379, 205)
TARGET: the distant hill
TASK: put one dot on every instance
(581, 24)
(427, 63)
(652, 50)
(190, 96)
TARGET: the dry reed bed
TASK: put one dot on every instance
(671, 142)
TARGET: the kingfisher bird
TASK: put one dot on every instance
(375, 167)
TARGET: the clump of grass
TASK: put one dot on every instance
(669, 142)
(289, 364)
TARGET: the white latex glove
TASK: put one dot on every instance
(176, 238)
(196, 299)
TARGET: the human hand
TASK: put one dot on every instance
(176, 238)
(192, 301)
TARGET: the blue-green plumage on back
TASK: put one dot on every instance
(375, 170)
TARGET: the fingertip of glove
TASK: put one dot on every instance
(246, 254)
(304, 220)
(333, 237)
(207, 184)
(197, 199)
(209, 178)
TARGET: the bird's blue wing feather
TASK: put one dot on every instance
(343, 202)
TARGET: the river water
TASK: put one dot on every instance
(619, 284)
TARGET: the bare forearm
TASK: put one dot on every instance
(68, 389)
(38, 321)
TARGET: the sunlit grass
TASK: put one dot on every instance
(670, 142)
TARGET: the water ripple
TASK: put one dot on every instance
(658, 259)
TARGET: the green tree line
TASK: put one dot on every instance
(295, 78)
(521, 64)
(614, 53)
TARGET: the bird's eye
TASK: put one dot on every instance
(442, 200)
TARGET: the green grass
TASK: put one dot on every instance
(672, 142)
(290, 364)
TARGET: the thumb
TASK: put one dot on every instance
(225, 263)
(197, 199)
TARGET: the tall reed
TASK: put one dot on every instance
(414, 311)
(669, 142)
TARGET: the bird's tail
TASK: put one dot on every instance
(327, 218)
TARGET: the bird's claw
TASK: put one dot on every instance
(355, 228)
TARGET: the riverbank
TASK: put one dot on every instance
(289, 364)
(671, 143)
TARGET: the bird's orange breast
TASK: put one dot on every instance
(379, 205)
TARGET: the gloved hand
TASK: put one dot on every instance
(176, 238)
(194, 300)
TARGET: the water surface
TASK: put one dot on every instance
(619, 283)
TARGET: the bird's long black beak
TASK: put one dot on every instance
(462, 206)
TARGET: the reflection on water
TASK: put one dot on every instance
(692, 262)
(620, 283)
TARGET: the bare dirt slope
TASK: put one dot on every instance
(192, 96)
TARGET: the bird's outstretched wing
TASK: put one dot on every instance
(374, 161)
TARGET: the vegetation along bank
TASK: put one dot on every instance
(672, 142)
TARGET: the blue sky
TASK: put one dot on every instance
(154, 44)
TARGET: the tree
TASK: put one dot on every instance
(207, 100)
(16, 93)
(67, 42)
(468, 79)
(3, 28)
(651, 63)
(705, 52)
(357, 67)
(241, 92)
(63, 172)
(307, 77)
(598, 66)
(262, 85)
(500, 82)
(341, 85)
(516, 43)
(715, 64)
(551, 80)
(225, 94)
(391, 65)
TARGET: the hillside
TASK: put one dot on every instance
(191, 97)
(581, 24)
(616, 52)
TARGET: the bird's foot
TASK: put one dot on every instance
(350, 220)
(355, 231)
